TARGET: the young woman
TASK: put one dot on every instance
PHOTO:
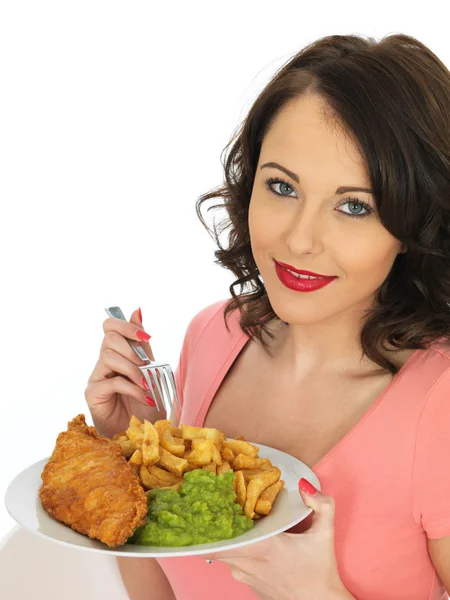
(337, 347)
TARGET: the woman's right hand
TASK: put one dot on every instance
(116, 388)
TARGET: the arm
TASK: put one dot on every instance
(439, 550)
(144, 579)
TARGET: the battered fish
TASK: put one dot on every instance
(88, 485)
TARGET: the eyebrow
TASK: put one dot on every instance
(294, 176)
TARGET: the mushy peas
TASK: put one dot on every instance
(204, 510)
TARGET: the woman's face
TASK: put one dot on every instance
(310, 225)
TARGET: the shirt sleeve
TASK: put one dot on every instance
(431, 471)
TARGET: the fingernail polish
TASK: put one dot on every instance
(307, 487)
(142, 335)
(150, 401)
(144, 383)
(140, 314)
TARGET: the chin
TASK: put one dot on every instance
(299, 314)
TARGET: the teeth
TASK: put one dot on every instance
(299, 276)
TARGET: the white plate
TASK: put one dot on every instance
(24, 505)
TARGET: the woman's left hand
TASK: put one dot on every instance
(292, 565)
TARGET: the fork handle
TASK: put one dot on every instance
(116, 313)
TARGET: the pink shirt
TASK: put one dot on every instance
(389, 476)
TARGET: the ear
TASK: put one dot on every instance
(403, 249)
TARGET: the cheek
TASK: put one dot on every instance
(259, 229)
(369, 256)
(266, 224)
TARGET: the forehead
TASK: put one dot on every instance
(305, 139)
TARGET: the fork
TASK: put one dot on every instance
(159, 370)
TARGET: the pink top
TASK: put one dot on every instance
(389, 476)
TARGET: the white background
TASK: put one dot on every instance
(113, 116)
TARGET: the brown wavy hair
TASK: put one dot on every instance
(392, 97)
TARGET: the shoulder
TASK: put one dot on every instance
(422, 383)
(207, 314)
(437, 364)
(435, 369)
(441, 347)
(209, 323)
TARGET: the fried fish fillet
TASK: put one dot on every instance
(88, 485)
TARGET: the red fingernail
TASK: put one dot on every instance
(140, 314)
(144, 383)
(150, 401)
(142, 335)
(307, 487)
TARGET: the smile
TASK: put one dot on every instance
(301, 282)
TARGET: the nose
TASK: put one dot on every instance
(306, 231)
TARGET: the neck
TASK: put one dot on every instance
(327, 347)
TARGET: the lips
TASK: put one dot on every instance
(302, 271)
(301, 284)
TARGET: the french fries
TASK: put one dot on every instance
(172, 444)
(241, 489)
(172, 463)
(244, 461)
(240, 447)
(256, 486)
(161, 454)
(202, 452)
(267, 498)
(150, 444)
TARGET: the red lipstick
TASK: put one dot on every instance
(301, 284)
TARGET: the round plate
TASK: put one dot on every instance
(24, 505)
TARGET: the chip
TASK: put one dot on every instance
(160, 455)
(150, 444)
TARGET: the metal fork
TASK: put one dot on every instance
(160, 370)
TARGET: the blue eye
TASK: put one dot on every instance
(358, 208)
(272, 180)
